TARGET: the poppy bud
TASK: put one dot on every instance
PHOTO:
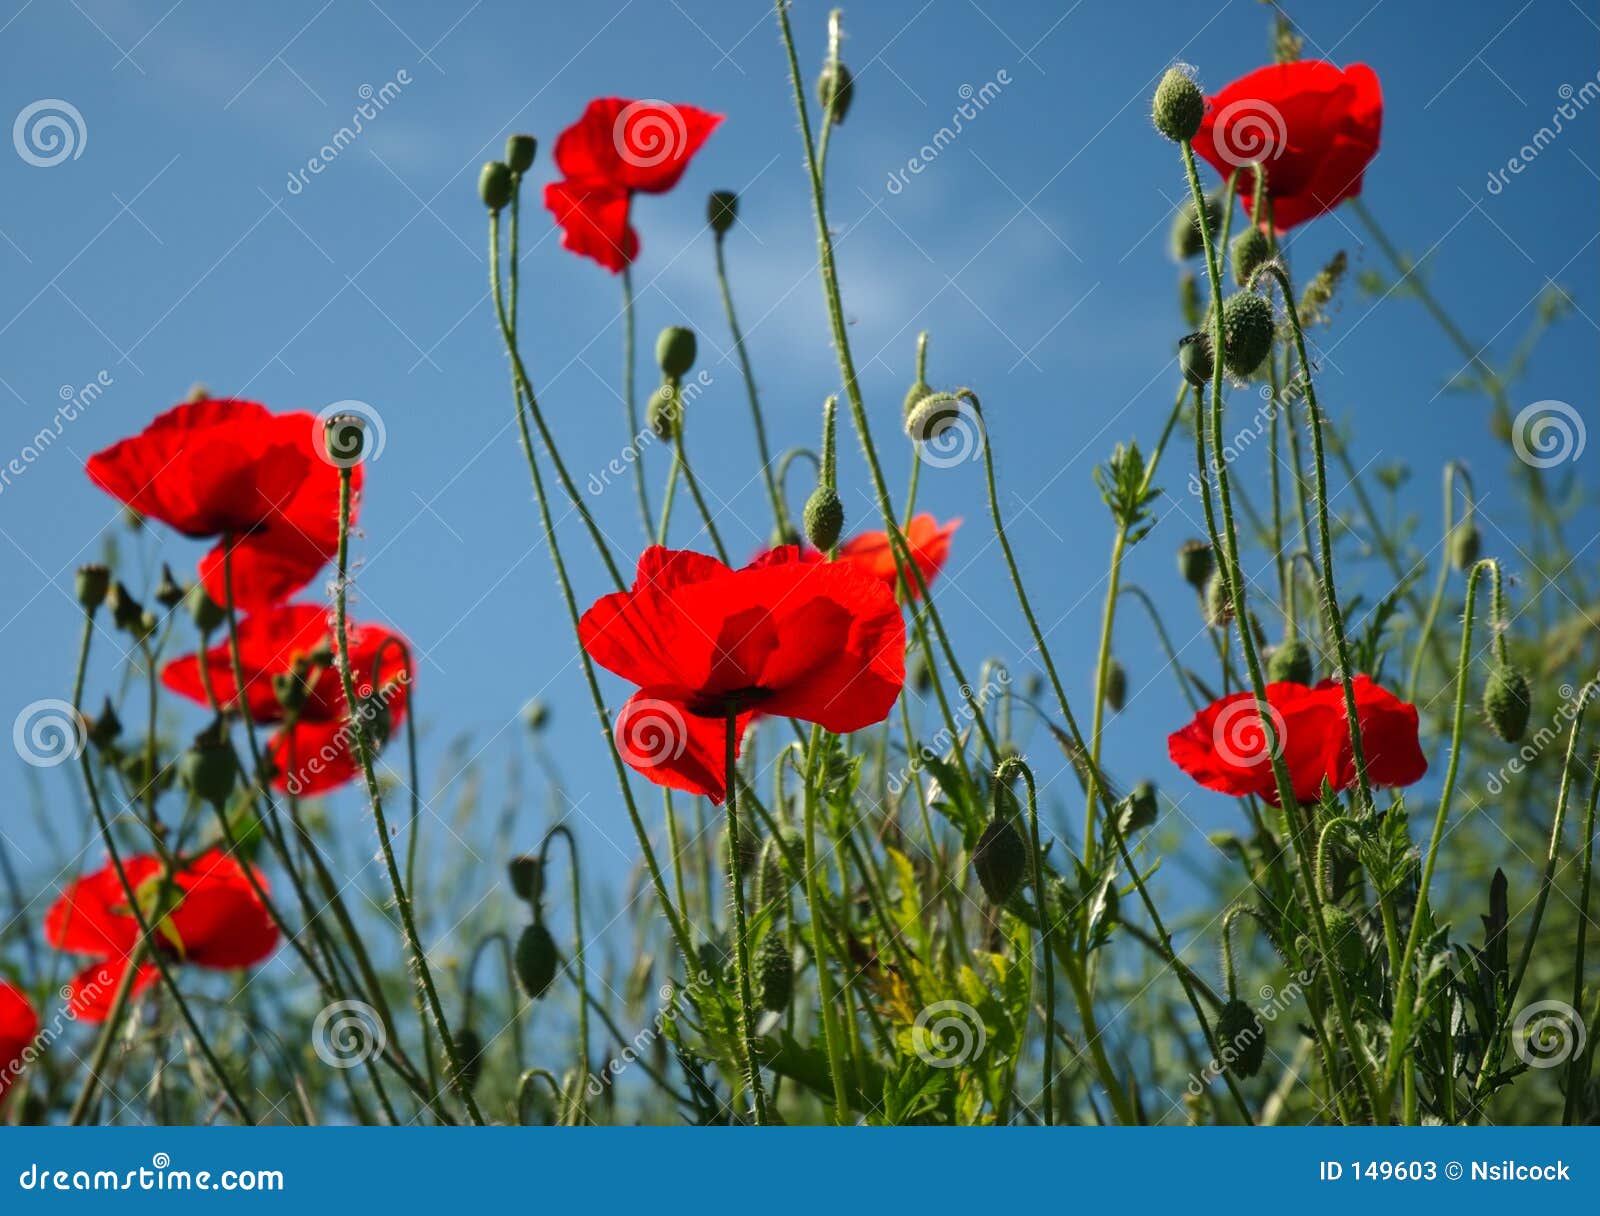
(1189, 299)
(1178, 106)
(1247, 332)
(933, 416)
(104, 730)
(1241, 1038)
(290, 690)
(91, 585)
(1507, 702)
(127, 613)
(774, 967)
(1194, 359)
(1291, 662)
(1196, 563)
(204, 611)
(1142, 807)
(537, 716)
(722, 209)
(527, 877)
(664, 412)
(494, 184)
(1219, 604)
(520, 151)
(824, 518)
(209, 769)
(1250, 249)
(168, 593)
(836, 88)
(914, 396)
(536, 960)
(469, 1046)
(1188, 241)
(675, 350)
(922, 676)
(1344, 938)
(749, 852)
(1000, 859)
(1116, 686)
(345, 437)
(1466, 543)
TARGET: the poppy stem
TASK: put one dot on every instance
(565, 833)
(629, 397)
(741, 957)
(780, 513)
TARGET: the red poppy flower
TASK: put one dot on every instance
(211, 917)
(233, 469)
(317, 753)
(1313, 126)
(928, 540)
(19, 1027)
(617, 148)
(817, 641)
(1225, 748)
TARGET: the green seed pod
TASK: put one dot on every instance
(1291, 662)
(824, 518)
(1250, 249)
(1466, 544)
(205, 612)
(527, 877)
(1507, 702)
(469, 1050)
(536, 960)
(1000, 859)
(494, 184)
(1196, 563)
(92, 584)
(1242, 1039)
(1219, 604)
(1187, 239)
(208, 768)
(1194, 359)
(1116, 686)
(520, 151)
(675, 351)
(1178, 106)
(836, 87)
(774, 968)
(1247, 332)
(722, 209)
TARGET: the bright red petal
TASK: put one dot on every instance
(91, 915)
(673, 746)
(19, 1026)
(635, 145)
(91, 992)
(221, 922)
(593, 216)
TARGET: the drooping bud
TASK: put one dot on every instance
(1246, 332)
(1507, 702)
(536, 960)
(1178, 106)
(675, 351)
(204, 611)
(127, 613)
(1196, 563)
(92, 584)
(1290, 662)
(469, 1049)
(527, 877)
(774, 968)
(1116, 686)
(933, 416)
(921, 676)
(836, 88)
(1241, 1038)
(722, 209)
(520, 151)
(209, 768)
(1466, 544)
(1250, 249)
(1194, 359)
(824, 518)
(1000, 859)
(105, 728)
(168, 593)
(494, 184)
(1188, 241)
(1142, 807)
(1219, 604)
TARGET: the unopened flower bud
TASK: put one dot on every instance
(92, 584)
(1116, 686)
(824, 518)
(922, 676)
(1290, 662)
(1507, 702)
(774, 968)
(345, 438)
(933, 416)
(914, 397)
(722, 209)
(1178, 106)
(536, 960)
(209, 768)
(675, 351)
(1142, 807)
(1247, 332)
(836, 88)
(1188, 241)
(1344, 938)
(469, 1050)
(105, 728)
(527, 877)
(1241, 1039)
(1194, 359)
(127, 613)
(169, 593)
(537, 716)
(1250, 249)
(1000, 858)
(1196, 563)
(664, 412)
(1466, 544)
(1219, 604)
(520, 151)
(494, 184)
(205, 612)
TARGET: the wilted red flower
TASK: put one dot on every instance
(1313, 126)
(317, 752)
(1225, 748)
(19, 1026)
(211, 917)
(235, 470)
(928, 540)
(617, 148)
(817, 641)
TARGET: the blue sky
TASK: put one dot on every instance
(171, 250)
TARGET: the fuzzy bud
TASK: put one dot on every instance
(1466, 544)
(836, 88)
(1241, 1038)
(520, 151)
(1344, 938)
(1507, 702)
(526, 875)
(1000, 858)
(774, 968)
(105, 728)
(1116, 686)
(1178, 106)
(494, 184)
(1188, 241)
(722, 209)
(168, 592)
(1290, 662)
(824, 518)
(1219, 604)
(1142, 807)
(1194, 359)
(1196, 563)
(209, 769)
(205, 612)
(933, 416)
(1247, 332)
(1250, 249)
(914, 398)
(664, 412)
(92, 584)
(536, 960)
(127, 613)
(675, 351)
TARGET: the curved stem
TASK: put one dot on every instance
(741, 937)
